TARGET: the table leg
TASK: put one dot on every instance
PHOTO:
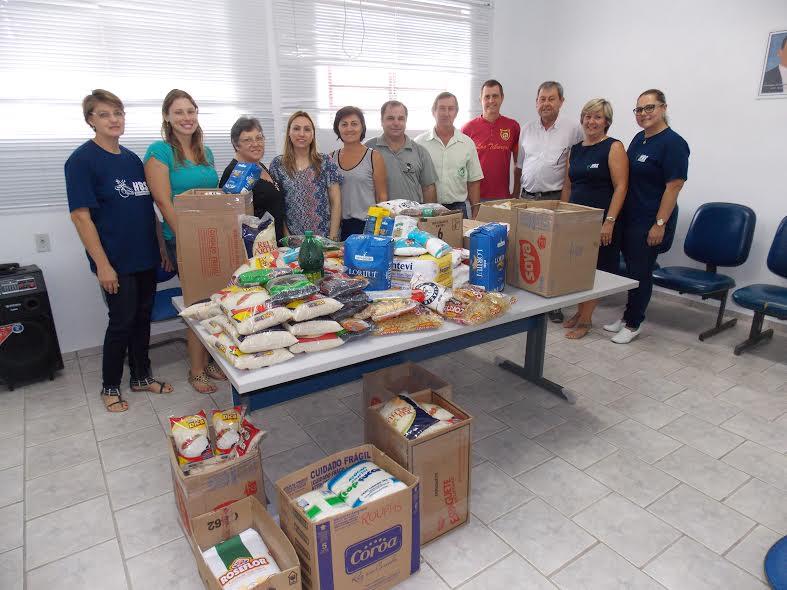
(533, 369)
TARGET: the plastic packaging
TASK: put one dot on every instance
(265, 241)
(312, 328)
(241, 360)
(320, 504)
(374, 220)
(328, 245)
(242, 178)
(408, 247)
(386, 309)
(312, 307)
(404, 268)
(288, 288)
(337, 286)
(241, 562)
(488, 256)
(420, 319)
(403, 225)
(201, 311)
(316, 343)
(406, 416)
(472, 305)
(226, 424)
(396, 206)
(435, 295)
(364, 482)
(260, 278)
(310, 258)
(250, 436)
(435, 246)
(369, 257)
(190, 434)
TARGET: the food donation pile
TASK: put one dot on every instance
(393, 279)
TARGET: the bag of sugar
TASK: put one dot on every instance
(241, 562)
(364, 482)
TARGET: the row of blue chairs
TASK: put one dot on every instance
(720, 235)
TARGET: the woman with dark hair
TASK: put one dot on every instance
(113, 213)
(178, 163)
(658, 168)
(309, 180)
(249, 142)
(363, 170)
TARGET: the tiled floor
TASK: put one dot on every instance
(668, 472)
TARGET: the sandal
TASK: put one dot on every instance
(146, 383)
(201, 383)
(581, 331)
(572, 321)
(109, 392)
(214, 372)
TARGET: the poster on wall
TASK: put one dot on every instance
(773, 83)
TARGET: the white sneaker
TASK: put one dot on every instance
(626, 335)
(615, 326)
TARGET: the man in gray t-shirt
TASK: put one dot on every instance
(411, 174)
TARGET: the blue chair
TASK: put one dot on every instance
(162, 305)
(770, 300)
(720, 234)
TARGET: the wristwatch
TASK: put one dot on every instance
(610, 219)
(660, 222)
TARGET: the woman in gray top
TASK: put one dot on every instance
(363, 170)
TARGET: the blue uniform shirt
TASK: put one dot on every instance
(653, 162)
(113, 187)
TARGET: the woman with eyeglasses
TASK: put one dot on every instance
(249, 143)
(112, 210)
(363, 170)
(597, 176)
(309, 180)
(173, 165)
(658, 168)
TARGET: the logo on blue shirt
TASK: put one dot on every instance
(593, 166)
(642, 158)
(137, 189)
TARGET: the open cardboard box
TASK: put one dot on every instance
(371, 547)
(441, 461)
(446, 227)
(207, 530)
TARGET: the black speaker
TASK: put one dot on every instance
(29, 350)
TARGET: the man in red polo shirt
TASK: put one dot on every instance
(497, 140)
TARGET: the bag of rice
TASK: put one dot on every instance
(261, 318)
(226, 424)
(317, 343)
(406, 416)
(266, 238)
(312, 328)
(201, 311)
(241, 562)
(289, 288)
(190, 434)
(236, 299)
(268, 339)
(321, 503)
(364, 482)
(242, 360)
(312, 307)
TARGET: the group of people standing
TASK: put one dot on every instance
(111, 193)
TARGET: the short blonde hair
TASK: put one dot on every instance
(97, 96)
(598, 104)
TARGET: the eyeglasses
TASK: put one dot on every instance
(104, 115)
(252, 140)
(648, 108)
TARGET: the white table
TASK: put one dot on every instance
(311, 372)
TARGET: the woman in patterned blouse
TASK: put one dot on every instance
(310, 182)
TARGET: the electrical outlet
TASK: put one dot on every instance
(42, 243)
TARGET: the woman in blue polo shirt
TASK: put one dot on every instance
(112, 210)
(178, 163)
(658, 168)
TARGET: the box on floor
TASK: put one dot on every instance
(208, 530)
(371, 547)
(381, 385)
(441, 462)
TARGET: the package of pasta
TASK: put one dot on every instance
(354, 329)
(226, 424)
(312, 307)
(316, 343)
(201, 311)
(420, 319)
(190, 434)
(472, 305)
(312, 328)
(288, 288)
(339, 286)
(260, 277)
(406, 416)
(385, 309)
(247, 361)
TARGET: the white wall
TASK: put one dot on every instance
(706, 55)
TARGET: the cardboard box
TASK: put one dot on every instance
(217, 526)
(380, 386)
(372, 547)
(556, 247)
(217, 485)
(446, 227)
(487, 212)
(440, 461)
(209, 242)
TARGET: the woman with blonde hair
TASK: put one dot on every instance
(309, 180)
(179, 162)
(597, 176)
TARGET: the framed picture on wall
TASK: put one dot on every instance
(773, 83)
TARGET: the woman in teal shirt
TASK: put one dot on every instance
(178, 163)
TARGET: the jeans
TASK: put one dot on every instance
(640, 260)
(129, 327)
(461, 206)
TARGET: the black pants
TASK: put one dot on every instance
(462, 206)
(352, 226)
(129, 327)
(640, 260)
